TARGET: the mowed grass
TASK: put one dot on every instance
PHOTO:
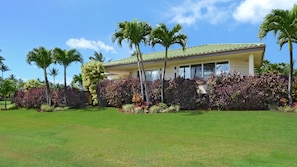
(106, 137)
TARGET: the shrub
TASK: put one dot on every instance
(155, 109)
(75, 98)
(138, 110)
(162, 105)
(34, 98)
(61, 108)
(287, 109)
(128, 108)
(234, 92)
(46, 108)
(183, 92)
(18, 98)
(155, 90)
(101, 92)
(119, 92)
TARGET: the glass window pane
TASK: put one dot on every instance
(148, 75)
(184, 71)
(196, 71)
(222, 67)
(155, 75)
(208, 69)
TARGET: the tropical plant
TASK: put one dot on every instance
(275, 68)
(43, 58)
(98, 57)
(77, 81)
(65, 58)
(283, 23)
(92, 73)
(165, 37)
(32, 83)
(53, 72)
(3, 68)
(7, 88)
(1, 58)
(135, 33)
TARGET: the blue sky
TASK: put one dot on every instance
(87, 25)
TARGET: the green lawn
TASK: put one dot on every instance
(93, 137)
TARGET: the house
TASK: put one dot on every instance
(193, 62)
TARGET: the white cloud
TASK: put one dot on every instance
(88, 44)
(190, 11)
(253, 11)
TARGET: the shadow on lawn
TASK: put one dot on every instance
(193, 113)
(93, 109)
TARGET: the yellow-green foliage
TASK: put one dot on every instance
(92, 73)
(32, 83)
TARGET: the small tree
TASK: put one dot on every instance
(92, 73)
(7, 87)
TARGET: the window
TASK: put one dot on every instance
(152, 75)
(222, 67)
(203, 70)
(184, 71)
(208, 69)
(196, 71)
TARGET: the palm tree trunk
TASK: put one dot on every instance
(290, 85)
(144, 76)
(65, 86)
(163, 76)
(47, 89)
(140, 77)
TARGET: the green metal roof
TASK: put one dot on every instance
(191, 51)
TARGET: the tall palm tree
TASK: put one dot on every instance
(53, 72)
(283, 23)
(43, 59)
(3, 68)
(165, 37)
(135, 33)
(65, 58)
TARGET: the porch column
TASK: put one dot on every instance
(251, 64)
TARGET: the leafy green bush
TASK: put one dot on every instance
(46, 108)
(287, 109)
(155, 109)
(138, 110)
(162, 105)
(128, 108)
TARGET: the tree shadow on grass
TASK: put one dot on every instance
(93, 109)
(194, 112)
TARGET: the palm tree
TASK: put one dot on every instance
(98, 57)
(135, 33)
(1, 58)
(283, 23)
(65, 58)
(165, 37)
(3, 68)
(43, 59)
(77, 79)
(53, 72)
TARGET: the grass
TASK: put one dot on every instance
(106, 137)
